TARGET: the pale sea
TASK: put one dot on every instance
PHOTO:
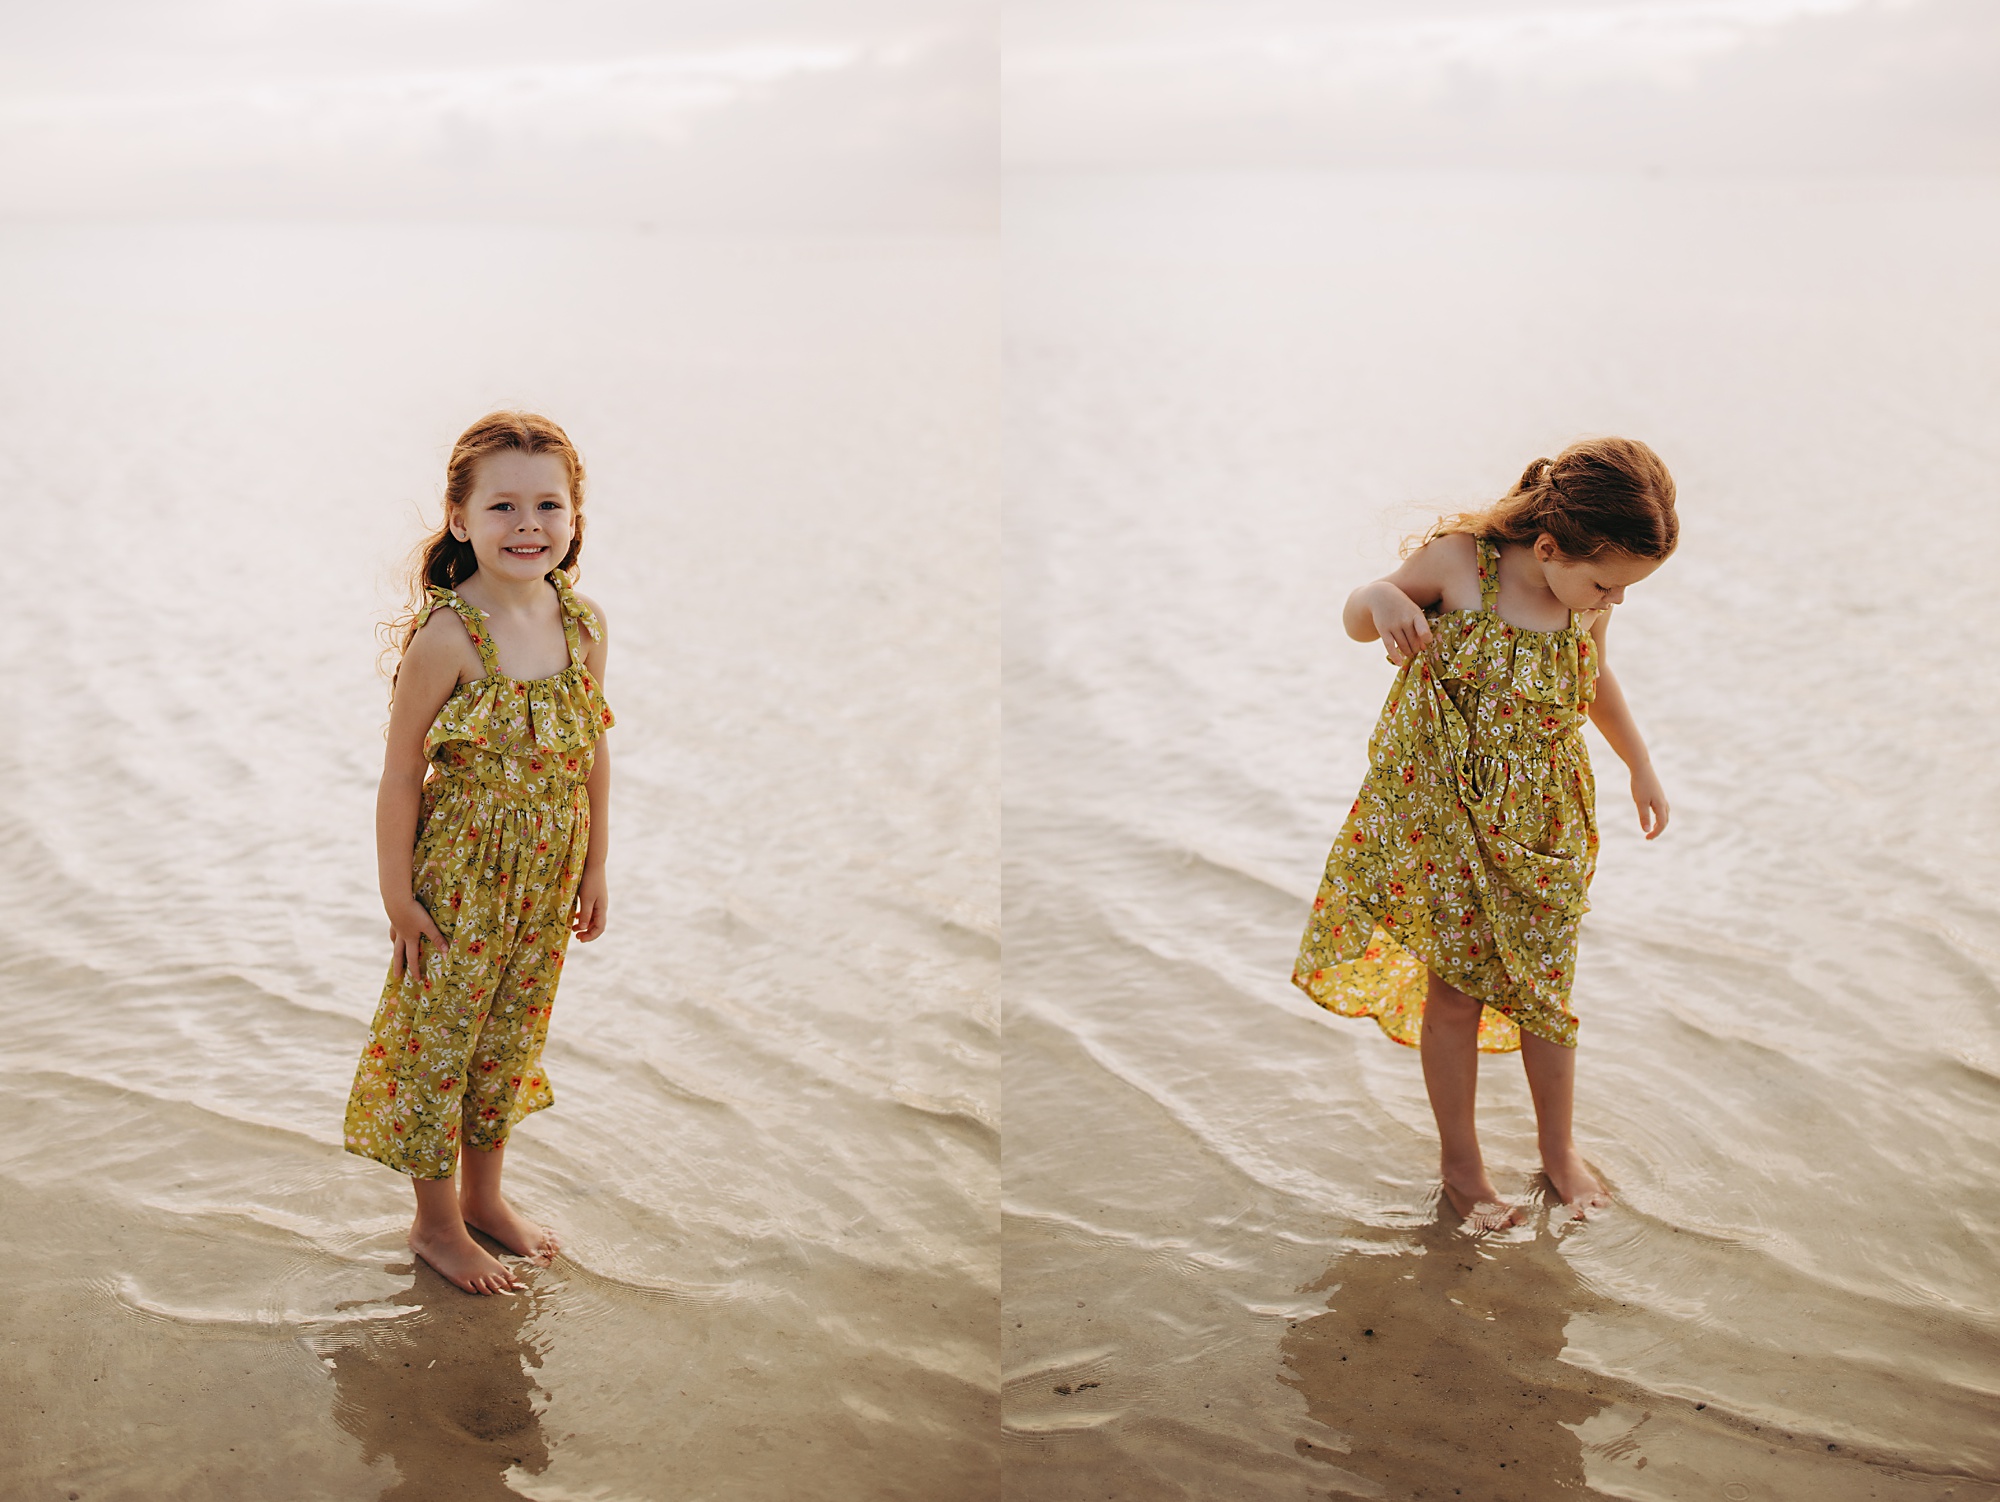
(776, 1150)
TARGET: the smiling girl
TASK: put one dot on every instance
(490, 832)
(1451, 901)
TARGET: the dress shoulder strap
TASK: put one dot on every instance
(575, 613)
(1489, 572)
(475, 625)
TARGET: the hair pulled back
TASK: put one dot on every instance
(443, 560)
(1598, 496)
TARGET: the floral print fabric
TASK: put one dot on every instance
(455, 1054)
(1471, 845)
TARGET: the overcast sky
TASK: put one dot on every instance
(888, 113)
(1895, 85)
(686, 112)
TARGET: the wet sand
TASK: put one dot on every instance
(774, 1150)
(1229, 397)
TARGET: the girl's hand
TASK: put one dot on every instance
(1404, 628)
(593, 907)
(409, 925)
(1651, 799)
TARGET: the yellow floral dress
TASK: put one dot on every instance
(1470, 849)
(455, 1054)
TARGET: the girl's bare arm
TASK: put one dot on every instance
(1613, 718)
(1391, 609)
(432, 667)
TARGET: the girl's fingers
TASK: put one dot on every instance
(1404, 642)
(1652, 818)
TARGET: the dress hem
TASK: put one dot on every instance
(464, 1147)
(1502, 1009)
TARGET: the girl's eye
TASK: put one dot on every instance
(551, 505)
(503, 505)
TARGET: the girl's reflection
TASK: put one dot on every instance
(1438, 1366)
(445, 1393)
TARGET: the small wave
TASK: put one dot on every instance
(1062, 1393)
(959, 1111)
(125, 1291)
(674, 1290)
(1088, 1359)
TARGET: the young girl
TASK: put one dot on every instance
(490, 834)
(1451, 901)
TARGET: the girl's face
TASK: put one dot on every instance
(1590, 583)
(518, 518)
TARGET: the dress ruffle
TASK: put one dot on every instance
(560, 715)
(1477, 648)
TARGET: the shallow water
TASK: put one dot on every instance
(774, 1151)
(1225, 1271)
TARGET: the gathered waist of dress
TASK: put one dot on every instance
(504, 782)
(1486, 756)
(1537, 740)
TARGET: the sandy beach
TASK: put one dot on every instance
(1225, 1271)
(774, 1150)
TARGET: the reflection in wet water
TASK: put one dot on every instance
(445, 1392)
(1438, 1366)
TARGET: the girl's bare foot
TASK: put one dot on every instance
(1575, 1184)
(1475, 1201)
(461, 1259)
(510, 1228)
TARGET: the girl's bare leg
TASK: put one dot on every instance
(486, 1209)
(438, 1235)
(1450, 1047)
(1552, 1081)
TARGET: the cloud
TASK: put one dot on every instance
(1705, 84)
(776, 120)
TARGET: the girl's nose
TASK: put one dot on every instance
(1616, 597)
